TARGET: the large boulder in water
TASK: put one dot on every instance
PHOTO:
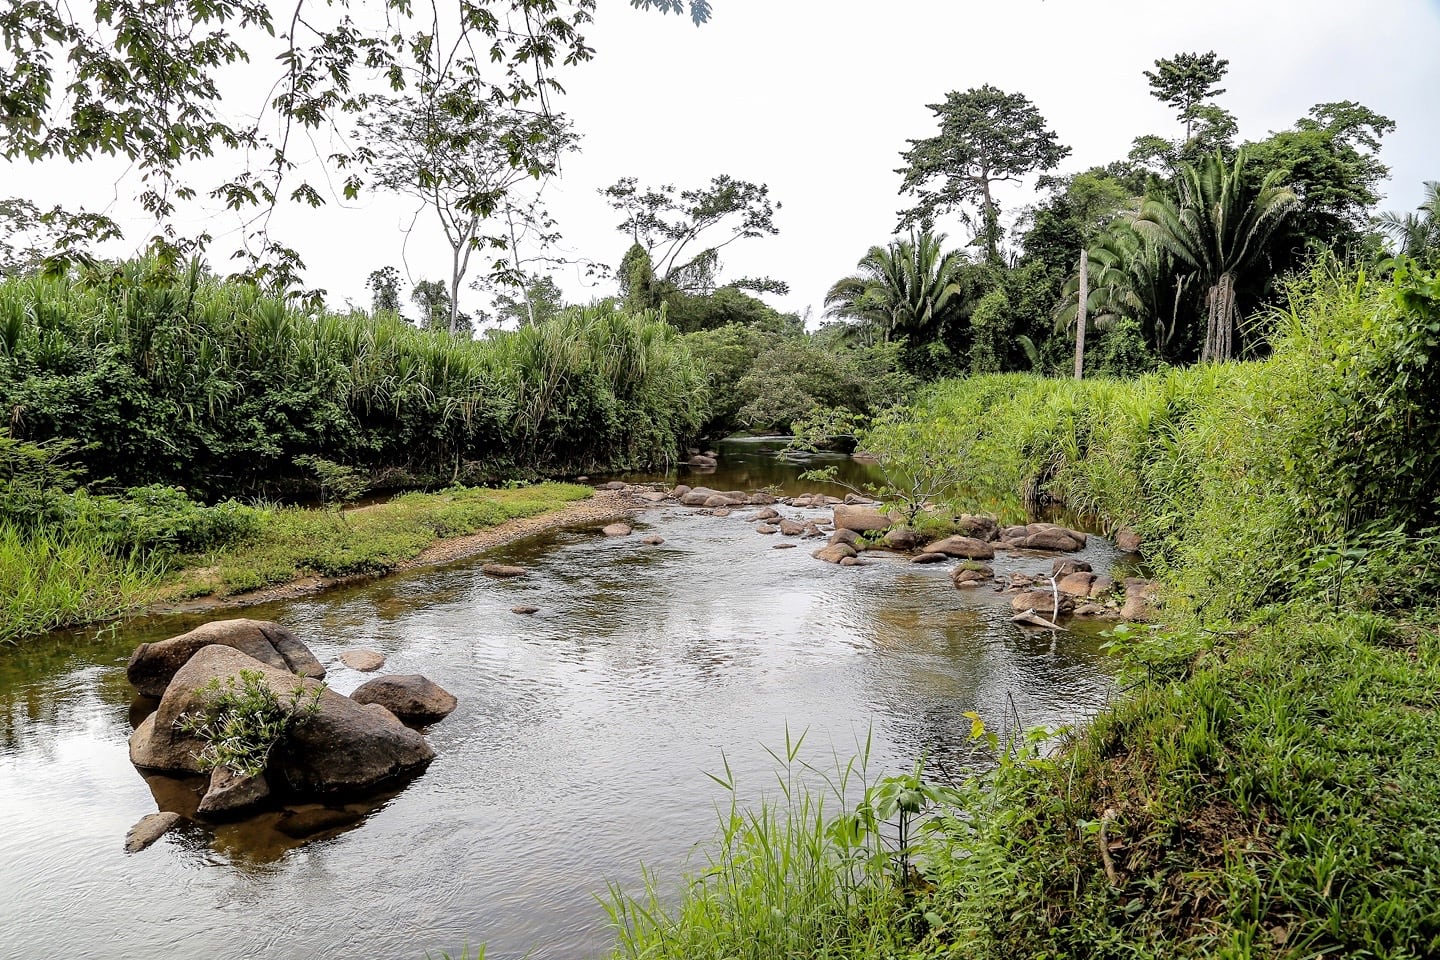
(410, 697)
(860, 519)
(967, 548)
(152, 665)
(343, 747)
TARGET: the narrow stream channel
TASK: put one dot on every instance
(577, 754)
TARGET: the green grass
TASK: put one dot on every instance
(295, 542)
(56, 578)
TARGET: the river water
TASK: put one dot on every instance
(577, 754)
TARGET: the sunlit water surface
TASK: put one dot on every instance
(578, 752)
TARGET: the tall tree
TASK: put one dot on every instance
(1218, 227)
(384, 287)
(463, 158)
(987, 136)
(1185, 82)
(667, 225)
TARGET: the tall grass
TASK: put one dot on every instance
(58, 577)
(803, 873)
(177, 377)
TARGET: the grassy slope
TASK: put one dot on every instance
(1270, 784)
(63, 578)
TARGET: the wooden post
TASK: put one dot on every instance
(1080, 314)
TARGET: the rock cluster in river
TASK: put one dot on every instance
(857, 526)
(341, 746)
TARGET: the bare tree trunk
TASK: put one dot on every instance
(1220, 321)
(1080, 314)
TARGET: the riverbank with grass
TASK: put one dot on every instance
(1268, 784)
(154, 549)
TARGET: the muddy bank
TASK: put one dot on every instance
(604, 507)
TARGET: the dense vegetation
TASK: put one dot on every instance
(1268, 785)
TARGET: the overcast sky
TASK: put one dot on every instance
(817, 99)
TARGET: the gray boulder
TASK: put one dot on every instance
(967, 548)
(230, 794)
(410, 697)
(152, 665)
(834, 553)
(861, 519)
(343, 747)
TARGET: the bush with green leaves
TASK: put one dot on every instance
(243, 721)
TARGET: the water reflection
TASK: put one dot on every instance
(576, 753)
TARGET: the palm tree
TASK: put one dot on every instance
(1417, 234)
(907, 287)
(1129, 277)
(1218, 229)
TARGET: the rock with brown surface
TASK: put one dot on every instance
(759, 499)
(1127, 540)
(1014, 533)
(767, 514)
(1054, 538)
(766, 529)
(1066, 566)
(411, 697)
(617, 530)
(523, 609)
(342, 747)
(834, 553)
(791, 528)
(654, 540)
(700, 460)
(981, 528)
(1042, 602)
(231, 795)
(902, 538)
(929, 558)
(502, 570)
(697, 496)
(365, 661)
(1077, 584)
(967, 548)
(679, 491)
(847, 537)
(1141, 597)
(722, 500)
(152, 665)
(971, 574)
(1101, 586)
(860, 519)
(654, 496)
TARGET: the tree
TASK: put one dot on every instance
(1329, 159)
(540, 299)
(986, 137)
(1187, 81)
(30, 236)
(463, 158)
(909, 287)
(1218, 228)
(384, 287)
(436, 310)
(146, 81)
(1417, 234)
(665, 225)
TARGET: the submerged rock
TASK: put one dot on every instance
(834, 553)
(149, 829)
(411, 697)
(524, 609)
(617, 530)
(153, 665)
(654, 540)
(365, 661)
(502, 570)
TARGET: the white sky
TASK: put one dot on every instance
(817, 99)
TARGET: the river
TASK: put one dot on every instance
(577, 754)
